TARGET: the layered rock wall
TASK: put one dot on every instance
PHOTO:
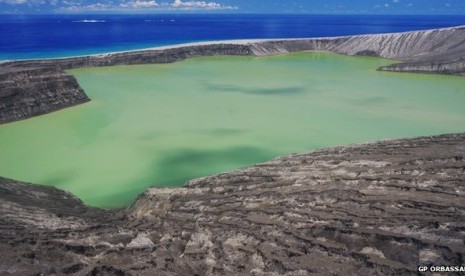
(32, 91)
(33, 87)
(452, 67)
(380, 208)
(164, 55)
(434, 51)
(373, 209)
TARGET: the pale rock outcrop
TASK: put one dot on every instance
(33, 87)
(377, 208)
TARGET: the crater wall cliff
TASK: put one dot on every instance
(31, 91)
(33, 87)
(377, 208)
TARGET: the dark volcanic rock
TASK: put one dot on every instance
(379, 208)
(32, 87)
(162, 55)
(44, 207)
(452, 67)
(31, 91)
(432, 51)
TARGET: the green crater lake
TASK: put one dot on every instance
(160, 125)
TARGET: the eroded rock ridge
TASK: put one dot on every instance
(31, 91)
(33, 87)
(370, 209)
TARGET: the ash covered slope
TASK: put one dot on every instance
(433, 51)
(383, 208)
(33, 87)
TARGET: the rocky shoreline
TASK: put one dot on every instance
(49, 87)
(33, 91)
(377, 208)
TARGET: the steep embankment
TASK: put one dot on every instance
(25, 94)
(433, 51)
(380, 208)
(34, 87)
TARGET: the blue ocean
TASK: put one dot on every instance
(47, 36)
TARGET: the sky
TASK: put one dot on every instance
(236, 6)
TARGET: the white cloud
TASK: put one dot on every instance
(200, 5)
(13, 2)
(28, 2)
(92, 7)
(139, 4)
(121, 5)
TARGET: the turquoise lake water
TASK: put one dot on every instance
(159, 125)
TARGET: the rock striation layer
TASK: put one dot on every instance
(31, 91)
(378, 208)
(32, 87)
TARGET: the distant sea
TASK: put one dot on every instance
(46, 36)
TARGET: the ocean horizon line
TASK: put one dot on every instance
(232, 13)
(217, 42)
(42, 36)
